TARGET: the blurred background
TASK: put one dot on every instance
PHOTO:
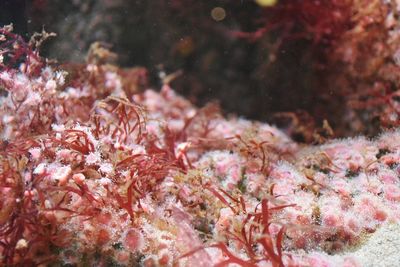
(264, 60)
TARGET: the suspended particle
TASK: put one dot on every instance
(218, 13)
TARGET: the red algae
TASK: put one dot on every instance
(94, 173)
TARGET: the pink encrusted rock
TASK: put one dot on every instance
(51, 85)
(380, 215)
(370, 207)
(104, 218)
(61, 174)
(78, 178)
(388, 178)
(35, 152)
(390, 159)
(93, 158)
(133, 240)
(352, 223)
(318, 261)
(255, 182)
(40, 169)
(350, 262)
(66, 155)
(331, 219)
(342, 187)
(188, 239)
(392, 192)
(106, 168)
(224, 220)
(225, 164)
(122, 257)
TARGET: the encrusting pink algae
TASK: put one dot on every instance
(91, 173)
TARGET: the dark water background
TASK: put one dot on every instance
(182, 35)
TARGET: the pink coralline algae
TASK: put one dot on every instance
(89, 175)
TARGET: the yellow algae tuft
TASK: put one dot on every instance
(266, 3)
